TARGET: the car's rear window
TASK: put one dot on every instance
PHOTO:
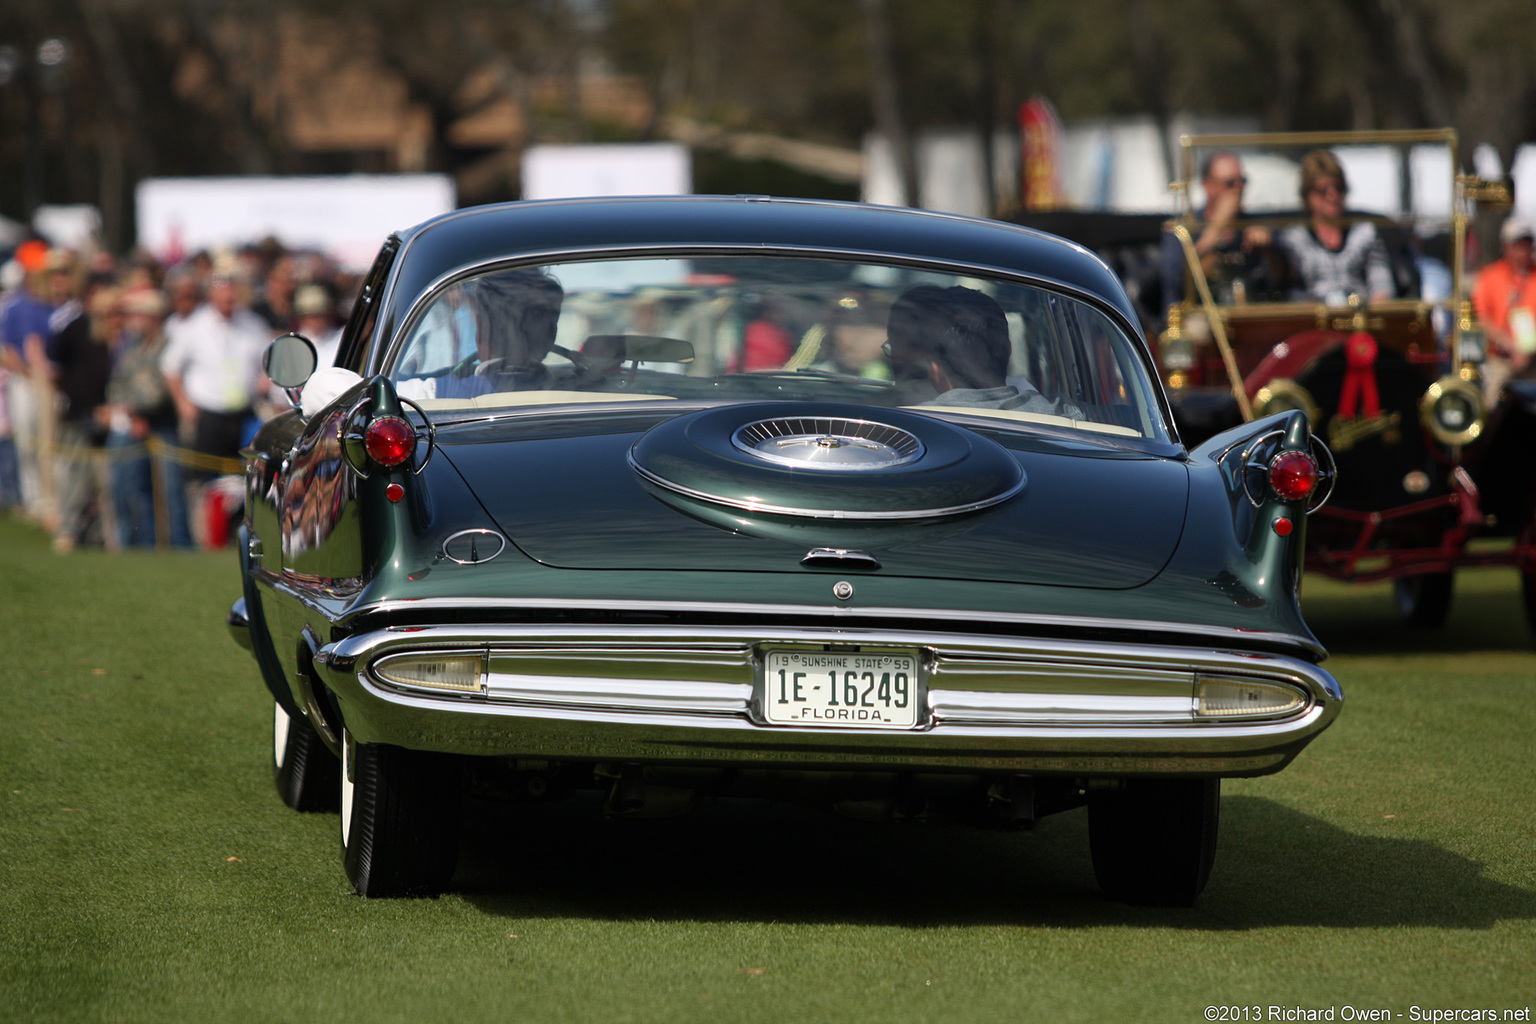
(750, 329)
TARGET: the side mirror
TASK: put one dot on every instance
(290, 361)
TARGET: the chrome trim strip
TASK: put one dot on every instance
(1239, 638)
(622, 694)
(1003, 690)
(677, 695)
(1057, 709)
(1124, 668)
(431, 435)
(703, 679)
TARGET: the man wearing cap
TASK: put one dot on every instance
(1505, 299)
(212, 366)
(953, 344)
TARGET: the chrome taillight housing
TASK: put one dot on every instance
(384, 439)
(1293, 476)
(389, 440)
(1273, 472)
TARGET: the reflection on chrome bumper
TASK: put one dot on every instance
(239, 624)
(670, 694)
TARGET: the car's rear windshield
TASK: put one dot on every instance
(769, 328)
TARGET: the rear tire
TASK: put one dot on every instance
(306, 774)
(1154, 840)
(399, 819)
(1424, 601)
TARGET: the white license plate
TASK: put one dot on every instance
(860, 690)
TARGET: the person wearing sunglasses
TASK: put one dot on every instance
(1332, 255)
(1237, 259)
(1505, 299)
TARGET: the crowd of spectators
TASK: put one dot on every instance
(127, 387)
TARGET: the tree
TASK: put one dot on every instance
(185, 87)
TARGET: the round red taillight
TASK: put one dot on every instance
(389, 440)
(1292, 476)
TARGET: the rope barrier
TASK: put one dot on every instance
(153, 447)
(49, 451)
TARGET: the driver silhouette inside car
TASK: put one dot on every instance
(950, 347)
(516, 314)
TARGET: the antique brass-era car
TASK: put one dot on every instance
(674, 497)
(1392, 382)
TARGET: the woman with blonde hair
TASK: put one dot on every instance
(1333, 256)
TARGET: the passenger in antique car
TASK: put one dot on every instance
(1505, 299)
(1240, 261)
(1332, 256)
(1432, 454)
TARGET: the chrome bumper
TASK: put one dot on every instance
(238, 622)
(676, 695)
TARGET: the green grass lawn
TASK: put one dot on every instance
(148, 871)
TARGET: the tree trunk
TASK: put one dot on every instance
(987, 103)
(1152, 77)
(886, 97)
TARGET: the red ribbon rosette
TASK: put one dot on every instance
(1359, 390)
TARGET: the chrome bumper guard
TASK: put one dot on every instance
(672, 694)
(238, 622)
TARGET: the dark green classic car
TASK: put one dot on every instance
(697, 497)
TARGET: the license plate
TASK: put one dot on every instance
(848, 690)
